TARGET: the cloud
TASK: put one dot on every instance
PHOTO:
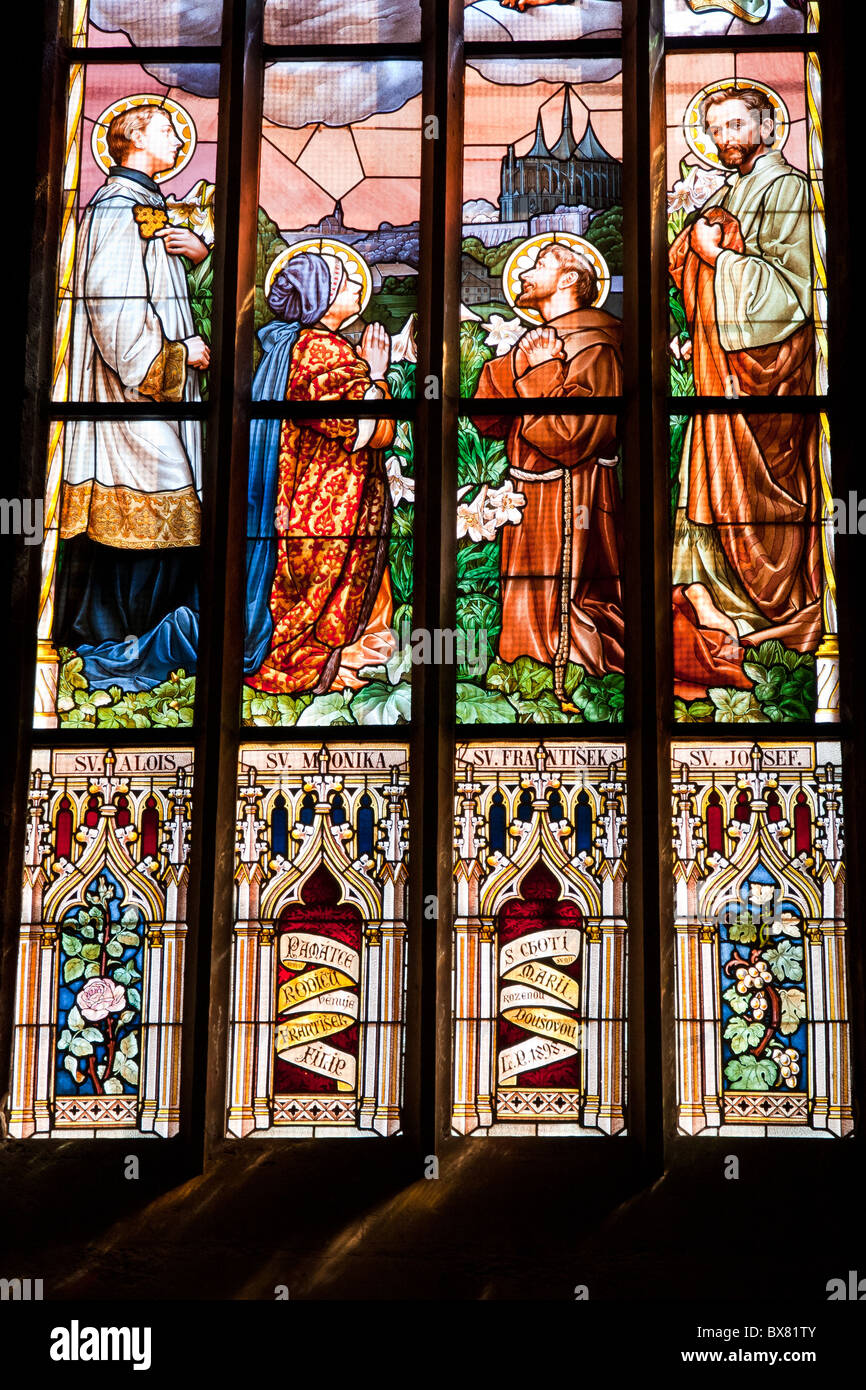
(160, 21)
(480, 210)
(298, 94)
(508, 72)
(343, 21)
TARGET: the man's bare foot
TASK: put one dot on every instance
(708, 614)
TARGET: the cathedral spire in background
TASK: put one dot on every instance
(566, 144)
(539, 148)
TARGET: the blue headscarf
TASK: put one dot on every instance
(299, 296)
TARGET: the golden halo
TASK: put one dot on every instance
(700, 143)
(183, 123)
(524, 256)
(355, 265)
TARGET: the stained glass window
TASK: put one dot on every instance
(99, 993)
(763, 1046)
(539, 952)
(316, 282)
(319, 949)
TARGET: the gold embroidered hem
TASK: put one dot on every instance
(166, 375)
(124, 518)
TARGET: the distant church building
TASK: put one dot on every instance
(543, 179)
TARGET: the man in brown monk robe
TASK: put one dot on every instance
(747, 537)
(561, 598)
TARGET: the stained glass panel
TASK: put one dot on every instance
(753, 569)
(342, 21)
(338, 238)
(740, 18)
(542, 218)
(149, 23)
(135, 269)
(539, 561)
(747, 255)
(539, 963)
(99, 994)
(119, 600)
(762, 989)
(528, 21)
(329, 637)
(319, 949)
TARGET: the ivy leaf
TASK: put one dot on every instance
(328, 709)
(741, 927)
(735, 706)
(742, 1034)
(751, 1073)
(793, 1010)
(477, 706)
(738, 1002)
(378, 703)
(785, 960)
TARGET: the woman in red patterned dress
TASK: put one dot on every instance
(320, 512)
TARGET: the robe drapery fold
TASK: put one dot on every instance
(566, 448)
(747, 527)
(130, 517)
(330, 524)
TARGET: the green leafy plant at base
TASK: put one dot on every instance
(784, 691)
(169, 705)
(474, 353)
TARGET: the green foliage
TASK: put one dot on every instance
(474, 353)
(605, 233)
(269, 244)
(785, 681)
(734, 706)
(751, 1073)
(697, 712)
(477, 706)
(168, 705)
(493, 258)
(793, 1003)
(678, 427)
(400, 377)
(742, 1034)
(785, 960)
(200, 282)
(479, 459)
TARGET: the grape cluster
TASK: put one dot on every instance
(752, 977)
(758, 1006)
(788, 1061)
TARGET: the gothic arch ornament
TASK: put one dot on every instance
(762, 1011)
(564, 987)
(275, 1018)
(144, 900)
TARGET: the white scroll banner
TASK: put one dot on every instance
(340, 1002)
(525, 1056)
(325, 1061)
(562, 945)
(300, 948)
(556, 987)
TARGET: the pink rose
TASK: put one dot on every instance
(99, 998)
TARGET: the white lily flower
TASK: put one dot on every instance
(402, 488)
(472, 522)
(692, 192)
(505, 505)
(503, 333)
(403, 344)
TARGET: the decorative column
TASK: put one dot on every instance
(250, 1039)
(31, 1043)
(472, 1009)
(167, 946)
(389, 950)
(606, 947)
(827, 954)
(696, 970)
